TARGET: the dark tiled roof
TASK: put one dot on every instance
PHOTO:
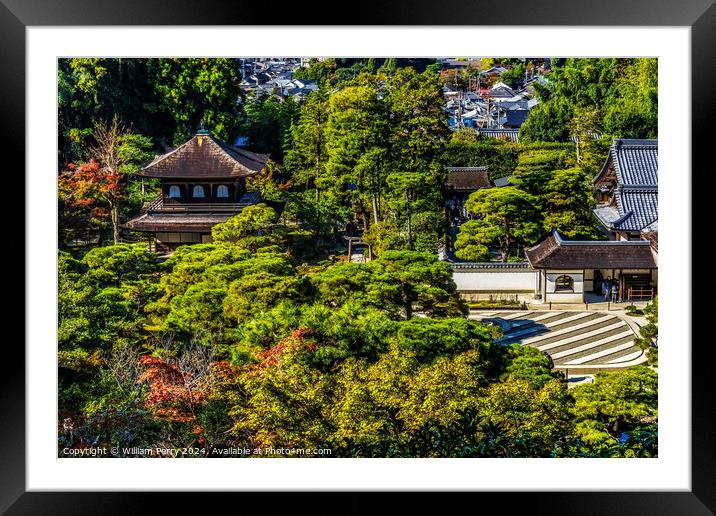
(501, 90)
(636, 194)
(171, 222)
(508, 134)
(636, 161)
(640, 209)
(516, 117)
(555, 253)
(467, 178)
(458, 266)
(205, 157)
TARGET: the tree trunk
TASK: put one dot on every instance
(410, 223)
(505, 241)
(375, 209)
(114, 214)
(408, 302)
(318, 220)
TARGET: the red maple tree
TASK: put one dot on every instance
(93, 186)
(174, 392)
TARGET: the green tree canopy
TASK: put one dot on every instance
(508, 216)
(617, 403)
(192, 90)
(254, 227)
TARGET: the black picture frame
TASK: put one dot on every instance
(700, 15)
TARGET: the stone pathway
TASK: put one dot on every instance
(581, 339)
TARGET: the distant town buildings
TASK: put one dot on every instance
(490, 106)
(496, 107)
(271, 76)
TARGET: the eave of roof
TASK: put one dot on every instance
(177, 222)
(557, 253)
(467, 178)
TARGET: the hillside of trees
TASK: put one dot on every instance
(268, 337)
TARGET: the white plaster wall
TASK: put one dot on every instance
(577, 276)
(486, 281)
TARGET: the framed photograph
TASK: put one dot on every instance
(426, 249)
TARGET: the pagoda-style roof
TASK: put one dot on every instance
(631, 173)
(205, 157)
(467, 179)
(556, 253)
(190, 218)
(177, 222)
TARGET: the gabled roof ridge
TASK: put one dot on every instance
(467, 169)
(555, 253)
(162, 157)
(561, 241)
(635, 142)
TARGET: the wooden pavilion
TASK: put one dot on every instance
(203, 183)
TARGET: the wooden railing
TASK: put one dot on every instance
(154, 204)
(204, 206)
(158, 204)
(640, 294)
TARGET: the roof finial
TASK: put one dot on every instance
(202, 129)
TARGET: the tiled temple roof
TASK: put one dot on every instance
(205, 157)
(636, 194)
(467, 178)
(555, 253)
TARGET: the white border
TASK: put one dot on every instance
(670, 471)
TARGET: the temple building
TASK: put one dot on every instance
(461, 182)
(557, 270)
(567, 271)
(627, 189)
(203, 183)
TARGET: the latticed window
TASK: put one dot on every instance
(198, 191)
(174, 192)
(564, 283)
(222, 191)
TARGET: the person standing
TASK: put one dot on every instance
(606, 286)
(615, 293)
